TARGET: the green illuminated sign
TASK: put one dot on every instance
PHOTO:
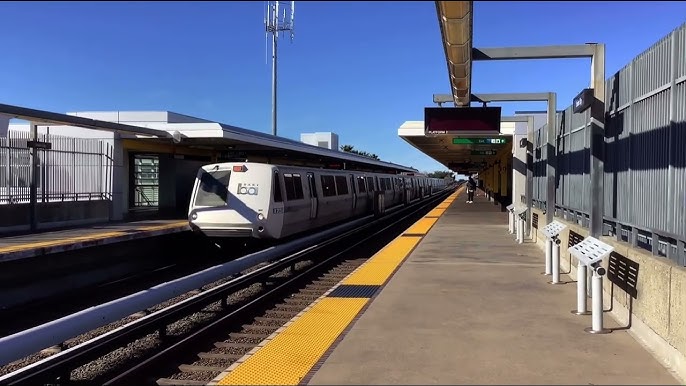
(483, 152)
(479, 141)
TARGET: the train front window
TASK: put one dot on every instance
(213, 189)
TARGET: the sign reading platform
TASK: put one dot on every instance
(484, 152)
(462, 120)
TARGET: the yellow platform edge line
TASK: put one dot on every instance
(290, 355)
(376, 270)
(422, 226)
(92, 237)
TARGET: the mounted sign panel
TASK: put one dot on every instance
(480, 141)
(462, 120)
(583, 101)
(484, 152)
(39, 145)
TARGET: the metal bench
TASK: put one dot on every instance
(574, 239)
(623, 273)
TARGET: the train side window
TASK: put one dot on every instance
(341, 185)
(288, 183)
(370, 183)
(277, 188)
(298, 185)
(328, 186)
(360, 185)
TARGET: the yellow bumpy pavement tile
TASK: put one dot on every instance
(286, 359)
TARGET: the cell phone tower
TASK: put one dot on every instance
(278, 21)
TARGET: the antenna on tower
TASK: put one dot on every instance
(277, 23)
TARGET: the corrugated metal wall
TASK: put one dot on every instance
(645, 151)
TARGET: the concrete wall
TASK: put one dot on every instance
(659, 312)
(15, 217)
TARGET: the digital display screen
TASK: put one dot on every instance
(455, 120)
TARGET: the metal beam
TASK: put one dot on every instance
(529, 189)
(596, 52)
(33, 177)
(48, 117)
(597, 143)
(514, 118)
(511, 97)
(443, 98)
(551, 158)
(534, 52)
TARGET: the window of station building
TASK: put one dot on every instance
(277, 189)
(341, 185)
(328, 186)
(294, 186)
(360, 185)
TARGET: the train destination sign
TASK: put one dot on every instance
(480, 141)
(462, 120)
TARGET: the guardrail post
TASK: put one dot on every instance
(580, 290)
(597, 302)
(552, 249)
(548, 257)
(555, 244)
(590, 252)
(519, 218)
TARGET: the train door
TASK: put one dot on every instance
(314, 202)
(354, 191)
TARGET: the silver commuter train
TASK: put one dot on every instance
(264, 201)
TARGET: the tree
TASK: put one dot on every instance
(351, 149)
(441, 174)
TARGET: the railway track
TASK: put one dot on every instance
(176, 342)
(151, 266)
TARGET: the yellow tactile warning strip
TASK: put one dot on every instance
(86, 238)
(311, 334)
(288, 355)
(380, 267)
(422, 226)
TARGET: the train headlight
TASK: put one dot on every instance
(260, 216)
(194, 216)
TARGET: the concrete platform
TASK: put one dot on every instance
(25, 246)
(470, 306)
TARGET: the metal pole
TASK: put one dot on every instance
(548, 257)
(580, 290)
(597, 303)
(556, 263)
(597, 143)
(275, 34)
(529, 189)
(551, 157)
(33, 177)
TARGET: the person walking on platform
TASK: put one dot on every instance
(471, 188)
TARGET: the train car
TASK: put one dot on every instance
(264, 201)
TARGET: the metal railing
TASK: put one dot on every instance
(73, 169)
(659, 243)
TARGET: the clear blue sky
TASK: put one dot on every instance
(359, 69)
